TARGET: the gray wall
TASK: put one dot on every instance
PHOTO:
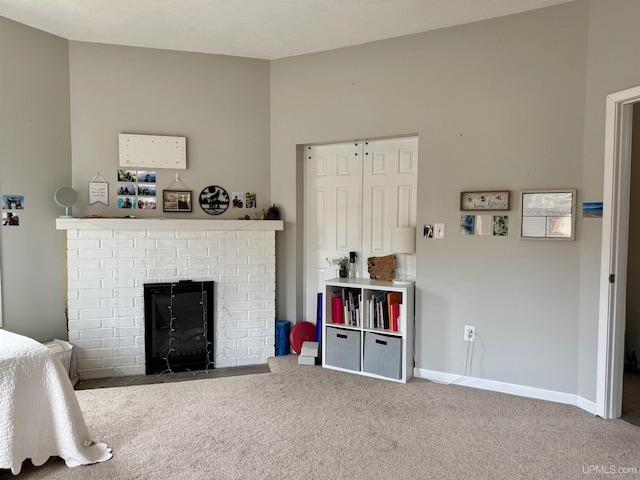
(220, 103)
(35, 159)
(496, 104)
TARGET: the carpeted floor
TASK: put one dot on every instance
(308, 422)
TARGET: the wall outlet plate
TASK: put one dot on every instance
(469, 333)
(438, 230)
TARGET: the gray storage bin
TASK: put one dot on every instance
(382, 355)
(343, 348)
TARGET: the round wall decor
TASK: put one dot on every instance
(214, 200)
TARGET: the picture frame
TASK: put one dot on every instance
(548, 214)
(176, 200)
(487, 200)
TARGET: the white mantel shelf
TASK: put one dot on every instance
(99, 223)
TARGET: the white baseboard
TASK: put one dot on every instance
(510, 388)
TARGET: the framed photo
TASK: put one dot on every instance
(494, 200)
(176, 200)
(548, 214)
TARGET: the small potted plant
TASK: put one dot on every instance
(342, 263)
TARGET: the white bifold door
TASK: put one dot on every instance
(355, 193)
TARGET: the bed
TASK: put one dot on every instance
(39, 413)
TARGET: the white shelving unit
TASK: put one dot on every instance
(363, 348)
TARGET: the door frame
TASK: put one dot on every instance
(615, 239)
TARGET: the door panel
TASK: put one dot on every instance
(333, 216)
(390, 176)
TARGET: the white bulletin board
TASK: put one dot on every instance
(548, 214)
(152, 151)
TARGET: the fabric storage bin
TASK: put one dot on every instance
(343, 348)
(382, 355)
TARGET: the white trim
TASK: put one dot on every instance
(615, 226)
(508, 388)
(165, 224)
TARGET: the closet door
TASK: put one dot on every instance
(333, 213)
(389, 187)
(354, 194)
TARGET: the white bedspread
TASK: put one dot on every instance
(39, 413)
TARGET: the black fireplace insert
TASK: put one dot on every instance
(178, 319)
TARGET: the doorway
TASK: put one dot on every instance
(614, 252)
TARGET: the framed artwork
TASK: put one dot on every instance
(214, 200)
(176, 200)
(485, 201)
(548, 214)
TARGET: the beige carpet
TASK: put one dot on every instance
(311, 423)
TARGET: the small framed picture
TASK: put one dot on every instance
(176, 200)
(487, 200)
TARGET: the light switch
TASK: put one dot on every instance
(439, 230)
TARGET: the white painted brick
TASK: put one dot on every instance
(191, 272)
(162, 272)
(96, 333)
(145, 263)
(252, 270)
(130, 331)
(131, 253)
(172, 243)
(108, 342)
(95, 234)
(161, 253)
(83, 263)
(95, 293)
(126, 361)
(95, 253)
(116, 302)
(254, 323)
(89, 244)
(201, 262)
(74, 336)
(262, 314)
(86, 364)
(251, 287)
(128, 351)
(252, 234)
(233, 260)
(262, 242)
(83, 304)
(222, 270)
(72, 234)
(232, 297)
(109, 362)
(92, 343)
(234, 278)
(115, 243)
(261, 296)
(234, 334)
(145, 243)
(95, 353)
(98, 313)
(161, 234)
(85, 283)
(262, 260)
(192, 252)
(128, 371)
(225, 362)
(191, 234)
(255, 360)
(172, 262)
(116, 263)
(236, 352)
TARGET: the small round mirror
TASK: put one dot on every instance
(66, 197)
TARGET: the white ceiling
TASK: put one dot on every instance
(267, 29)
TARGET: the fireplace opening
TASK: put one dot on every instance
(178, 319)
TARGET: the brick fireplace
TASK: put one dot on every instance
(110, 259)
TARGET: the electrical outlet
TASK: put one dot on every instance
(469, 333)
(438, 230)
